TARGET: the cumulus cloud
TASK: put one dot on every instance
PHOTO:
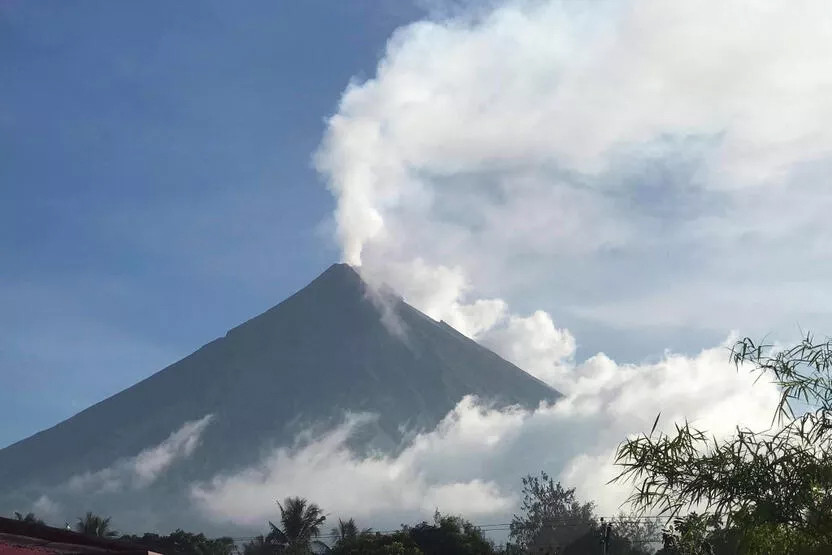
(146, 467)
(534, 344)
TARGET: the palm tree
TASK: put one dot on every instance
(94, 525)
(28, 518)
(300, 524)
(346, 530)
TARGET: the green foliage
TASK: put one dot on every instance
(555, 521)
(631, 535)
(346, 530)
(771, 489)
(552, 516)
(450, 534)
(369, 543)
(93, 525)
(693, 534)
(447, 535)
(183, 543)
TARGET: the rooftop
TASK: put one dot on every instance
(25, 538)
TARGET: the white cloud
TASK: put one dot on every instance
(45, 507)
(534, 344)
(619, 149)
(472, 462)
(146, 467)
(327, 472)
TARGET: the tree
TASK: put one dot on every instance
(771, 489)
(446, 535)
(450, 535)
(624, 535)
(633, 535)
(94, 525)
(346, 530)
(258, 546)
(28, 518)
(555, 521)
(552, 516)
(300, 524)
(396, 543)
(697, 534)
(183, 543)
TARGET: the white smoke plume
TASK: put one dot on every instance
(648, 158)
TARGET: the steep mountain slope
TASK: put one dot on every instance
(319, 353)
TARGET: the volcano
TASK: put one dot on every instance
(336, 346)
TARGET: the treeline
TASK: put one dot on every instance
(552, 520)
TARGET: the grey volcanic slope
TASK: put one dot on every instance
(322, 351)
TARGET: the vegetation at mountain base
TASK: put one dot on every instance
(93, 525)
(553, 520)
(183, 543)
(29, 518)
(299, 533)
(760, 491)
(447, 534)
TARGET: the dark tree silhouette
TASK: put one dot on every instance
(450, 535)
(29, 518)
(300, 525)
(345, 531)
(93, 525)
(183, 543)
(259, 546)
(552, 516)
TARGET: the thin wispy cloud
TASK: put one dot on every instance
(146, 467)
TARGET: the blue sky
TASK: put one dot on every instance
(155, 180)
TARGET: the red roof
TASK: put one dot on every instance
(10, 549)
(25, 538)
